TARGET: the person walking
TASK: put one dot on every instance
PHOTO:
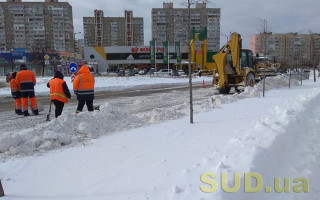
(27, 80)
(83, 86)
(59, 92)
(16, 94)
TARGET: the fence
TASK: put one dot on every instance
(299, 76)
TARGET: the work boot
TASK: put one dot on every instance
(36, 112)
(19, 112)
(25, 113)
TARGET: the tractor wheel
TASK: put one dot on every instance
(251, 81)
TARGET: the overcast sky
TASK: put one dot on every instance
(242, 16)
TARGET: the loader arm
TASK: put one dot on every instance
(233, 46)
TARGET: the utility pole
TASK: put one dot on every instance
(300, 62)
(74, 46)
(155, 55)
(189, 64)
(168, 57)
(265, 29)
(314, 74)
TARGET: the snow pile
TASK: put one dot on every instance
(215, 100)
(69, 128)
(270, 83)
(163, 114)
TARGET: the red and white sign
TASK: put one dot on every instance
(144, 49)
(73, 76)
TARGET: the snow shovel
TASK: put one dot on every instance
(48, 116)
(96, 107)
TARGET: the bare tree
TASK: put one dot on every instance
(188, 5)
(227, 36)
(264, 29)
(39, 49)
(313, 59)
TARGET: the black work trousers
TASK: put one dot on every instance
(59, 107)
(89, 104)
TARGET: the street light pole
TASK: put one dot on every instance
(74, 45)
(189, 64)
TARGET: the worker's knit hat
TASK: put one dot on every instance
(58, 74)
(23, 67)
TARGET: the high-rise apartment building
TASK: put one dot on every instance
(289, 47)
(30, 25)
(79, 48)
(298, 46)
(315, 42)
(171, 24)
(113, 31)
(272, 44)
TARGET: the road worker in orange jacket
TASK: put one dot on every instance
(16, 94)
(83, 86)
(59, 92)
(26, 79)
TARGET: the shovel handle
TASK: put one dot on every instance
(48, 116)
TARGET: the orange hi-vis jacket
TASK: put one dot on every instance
(83, 84)
(56, 90)
(14, 86)
(26, 80)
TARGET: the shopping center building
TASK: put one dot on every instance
(108, 59)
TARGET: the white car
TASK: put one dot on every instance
(142, 72)
(181, 72)
(164, 72)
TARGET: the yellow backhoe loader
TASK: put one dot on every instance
(235, 66)
(266, 66)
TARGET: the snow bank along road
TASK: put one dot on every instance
(147, 100)
(276, 136)
(7, 103)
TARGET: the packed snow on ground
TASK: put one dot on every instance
(149, 150)
(114, 83)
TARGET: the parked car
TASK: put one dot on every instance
(175, 73)
(151, 71)
(164, 72)
(143, 72)
(130, 72)
(181, 72)
(136, 71)
(121, 73)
